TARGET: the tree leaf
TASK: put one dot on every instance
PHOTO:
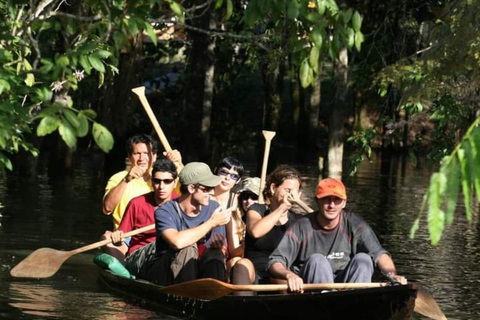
(414, 228)
(452, 172)
(151, 32)
(82, 129)
(229, 11)
(71, 117)
(347, 15)
(316, 37)
(314, 57)
(85, 64)
(356, 21)
(96, 63)
(218, 4)
(4, 85)
(359, 38)
(293, 9)
(102, 137)
(466, 183)
(5, 161)
(30, 80)
(178, 10)
(304, 73)
(47, 125)
(436, 216)
(90, 113)
(67, 132)
(321, 6)
(474, 163)
(350, 38)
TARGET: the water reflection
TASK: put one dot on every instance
(66, 214)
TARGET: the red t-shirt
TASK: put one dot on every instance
(140, 212)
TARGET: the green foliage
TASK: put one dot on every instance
(314, 30)
(361, 141)
(458, 169)
(47, 49)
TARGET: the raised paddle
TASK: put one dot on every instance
(211, 289)
(45, 262)
(140, 92)
(268, 138)
(301, 204)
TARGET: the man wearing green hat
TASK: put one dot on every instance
(191, 231)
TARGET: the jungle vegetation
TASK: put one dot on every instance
(325, 75)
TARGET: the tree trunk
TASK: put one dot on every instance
(335, 144)
(199, 90)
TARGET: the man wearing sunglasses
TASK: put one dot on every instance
(185, 223)
(140, 213)
(330, 245)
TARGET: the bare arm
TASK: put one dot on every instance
(279, 271)
(257, 226)
(387, 267)
(182, 239)
(235, 248)
(113, 197)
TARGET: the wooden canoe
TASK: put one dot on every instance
(391, 302)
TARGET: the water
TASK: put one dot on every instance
(66, 214)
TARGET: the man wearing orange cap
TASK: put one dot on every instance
(330, 245)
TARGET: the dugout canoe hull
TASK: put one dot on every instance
(392, 302)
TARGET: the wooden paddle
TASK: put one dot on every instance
(45, 262)
(140, 92)
(268, 138)
(426, 305)
(211, 289)
(300, 203)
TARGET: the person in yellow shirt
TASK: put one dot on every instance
(127, 184)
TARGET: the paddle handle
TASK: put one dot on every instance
(140, 92)
(268, 138)
(107, 241)
(307, 286)
(303, 205)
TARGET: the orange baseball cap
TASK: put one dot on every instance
(331, 187)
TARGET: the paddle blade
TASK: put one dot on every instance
(41, 263)
(205, 289)
(426, 305)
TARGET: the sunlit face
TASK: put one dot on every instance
(163, 185)
(330, 208)
(229, 177)
(142, 156)
(281, 191)
(200, 194)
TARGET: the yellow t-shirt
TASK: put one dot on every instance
(135, 188)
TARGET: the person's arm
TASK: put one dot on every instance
(258, 226)
(235, 248)
(114, 195)
(387, 267)
(175, 157)
(182, 239)
(279, 271)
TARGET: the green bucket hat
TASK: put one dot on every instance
(198, 173)
(249, 184)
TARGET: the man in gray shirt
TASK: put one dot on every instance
(330, 245)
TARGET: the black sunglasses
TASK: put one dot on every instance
(165, 181)
(224, 173)
(204, 188)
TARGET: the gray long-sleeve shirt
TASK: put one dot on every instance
(339, 245)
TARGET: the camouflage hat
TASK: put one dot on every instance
(249, 184)
(198, 173)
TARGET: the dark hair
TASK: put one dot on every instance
(184, 188)
(280, 174)
(230, 162)
(164, 165)
(141, 138)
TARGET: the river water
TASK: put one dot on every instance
(66, 214)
